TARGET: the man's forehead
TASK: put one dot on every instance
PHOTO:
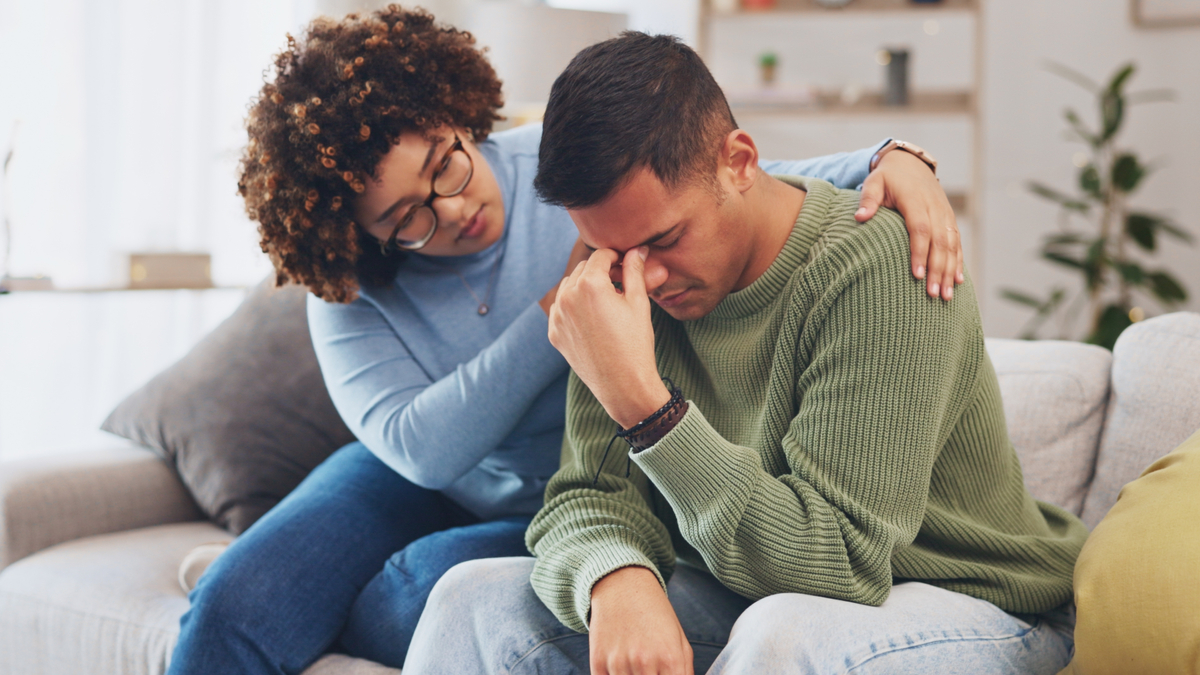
(639, 211)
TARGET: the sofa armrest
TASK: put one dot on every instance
(46, 501)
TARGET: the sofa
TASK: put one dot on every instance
(91, 544)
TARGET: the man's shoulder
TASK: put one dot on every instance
(845, 244)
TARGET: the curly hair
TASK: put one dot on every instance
(340, 98)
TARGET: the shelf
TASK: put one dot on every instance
(118, 289)
(857, 7)
(870, 103)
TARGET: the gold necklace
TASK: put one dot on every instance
(483, 304)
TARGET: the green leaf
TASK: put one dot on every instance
(1066, 261)
(1174, 230)
(1080, 128)
(1093, 263)
(1131, 272)
(1113, 320)
(1120, 78)
(1112, 112)
(1140, 228)
(1166, 288)
(1065, 239)
(1089, 181)
(1127, 172)
(1072, 75)
(1021, 298)
(1069, 203)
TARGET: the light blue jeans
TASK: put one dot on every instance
(483, 617)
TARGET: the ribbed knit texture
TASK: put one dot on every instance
(845, 432)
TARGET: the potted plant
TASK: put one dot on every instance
(1099, 230)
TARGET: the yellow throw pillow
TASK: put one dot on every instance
(1137, 581)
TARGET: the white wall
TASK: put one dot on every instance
(1023, 126)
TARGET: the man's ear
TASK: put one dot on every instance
(739, 158)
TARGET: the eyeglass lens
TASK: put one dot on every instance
(450, 180)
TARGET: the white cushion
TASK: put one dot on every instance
(1155, 403)
(110, 605)
(1054, 401)
(105, 605)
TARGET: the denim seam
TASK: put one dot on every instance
(556, 638)
(959, 638)
(537, 646)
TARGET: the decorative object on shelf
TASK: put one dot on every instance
(758, 4)
(1166, 13)
(170, 270)
(767, 62)
(895, 90)
(1101, 253)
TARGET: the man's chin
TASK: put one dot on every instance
(689, 308)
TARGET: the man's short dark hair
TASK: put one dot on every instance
(630, 102)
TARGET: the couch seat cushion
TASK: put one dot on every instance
(110, 605)
(1054, 401)
(104, 605)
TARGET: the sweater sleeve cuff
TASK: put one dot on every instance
(697, 469)
(599, 560)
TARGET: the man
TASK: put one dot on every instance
(820, 445)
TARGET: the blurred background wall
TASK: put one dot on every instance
(126, 120)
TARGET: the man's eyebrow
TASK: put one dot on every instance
(651, 240)
(437, 141)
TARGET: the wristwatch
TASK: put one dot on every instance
(911, 148)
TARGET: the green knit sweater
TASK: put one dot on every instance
(845, 432)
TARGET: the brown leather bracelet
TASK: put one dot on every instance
(649, 437)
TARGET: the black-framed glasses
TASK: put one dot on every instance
(420, 223)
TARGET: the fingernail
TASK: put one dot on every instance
(920, 271)
(949, 293)
(935, 289)
(958, 276)
(861, 211)
(643, 251)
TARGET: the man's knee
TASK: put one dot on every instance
(479, 586)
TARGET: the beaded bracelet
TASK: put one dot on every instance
(651, 430)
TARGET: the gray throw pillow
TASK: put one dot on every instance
(245, 415)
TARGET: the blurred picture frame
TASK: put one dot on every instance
(1166, 13)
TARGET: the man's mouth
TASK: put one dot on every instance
(673, 300)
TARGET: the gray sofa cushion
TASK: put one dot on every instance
(1155, 403)
(110, 605)
(1054, 401)
(245, 415)
(104, 605)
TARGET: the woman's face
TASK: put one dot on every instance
(466, 223)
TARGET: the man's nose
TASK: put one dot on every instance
(655, 273)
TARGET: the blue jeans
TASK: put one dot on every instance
(345, 562)
(483, 617)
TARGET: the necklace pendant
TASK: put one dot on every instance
(483, 309)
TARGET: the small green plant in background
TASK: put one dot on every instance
(1100, 251)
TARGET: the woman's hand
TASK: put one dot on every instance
(579, 253)
(633, 628)
(905, 183)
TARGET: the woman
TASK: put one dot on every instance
(432, 265)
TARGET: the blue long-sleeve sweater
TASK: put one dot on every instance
(474, 405)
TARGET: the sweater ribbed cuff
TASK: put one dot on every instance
(598, 561)
(697, 469)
